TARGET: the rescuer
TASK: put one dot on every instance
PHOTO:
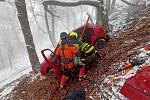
(73, 40)
(65, 53)
(87, 51)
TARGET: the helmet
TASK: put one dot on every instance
(63, 35)
(73, 34)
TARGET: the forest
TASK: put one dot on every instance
(30, 34)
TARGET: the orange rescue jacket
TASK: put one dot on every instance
(66, 54)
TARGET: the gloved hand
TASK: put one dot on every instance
(75, 61)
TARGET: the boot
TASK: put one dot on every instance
(61, 87)
(81, 78)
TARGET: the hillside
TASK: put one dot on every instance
(123, 44)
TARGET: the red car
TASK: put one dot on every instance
(94, 35)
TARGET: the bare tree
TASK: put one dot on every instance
(47, 24)
(2, 60)
(108, 5)
(10, 50)
(53, 25)
(112, 6)
(102, 15)
(23, 18)
(7, 49)
(97, 4)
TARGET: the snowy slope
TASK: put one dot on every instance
(115, 82)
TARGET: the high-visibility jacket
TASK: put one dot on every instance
(66, 53)
(83, 47)
(86, 50)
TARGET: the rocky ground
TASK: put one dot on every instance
(131, 37)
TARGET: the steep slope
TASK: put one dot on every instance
(132, 37)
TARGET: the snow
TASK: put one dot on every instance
(115, 82)
(22, 65)
(148, 3)
(8, 89)
(8, 76)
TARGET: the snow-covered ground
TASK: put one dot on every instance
(9, 75)
(112, 84)
(23, 66)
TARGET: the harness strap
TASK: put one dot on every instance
(62, 48)
(65, 60)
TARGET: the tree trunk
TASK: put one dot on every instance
(53, 26)
(10, 61)
(102, 16)
(99, 15)
(23, 18)
(112, 6)
(47, 24)
(2, 61)
(108, 5)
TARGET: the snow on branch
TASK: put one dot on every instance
(129, 3)
(70, 4)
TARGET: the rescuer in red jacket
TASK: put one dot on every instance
(65, 53)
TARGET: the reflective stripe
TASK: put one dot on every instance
(82, 45)
(90, 49)
(82, 49)
(87, 48)
(82, 59)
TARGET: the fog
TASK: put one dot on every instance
(12, 43)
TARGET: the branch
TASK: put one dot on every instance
(129, 3)
(70, 4)
(34, 16)
(47, 26)
(46, 9)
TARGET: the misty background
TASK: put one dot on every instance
(13, 53)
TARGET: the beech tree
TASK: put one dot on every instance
(23, 19)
